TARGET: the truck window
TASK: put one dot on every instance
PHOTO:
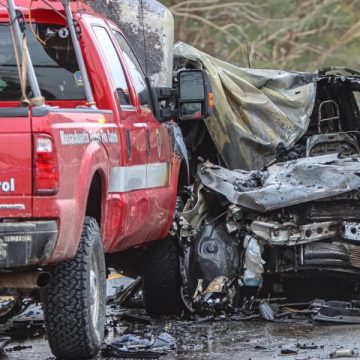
(135, 70)
(114, 65)
(54, 63)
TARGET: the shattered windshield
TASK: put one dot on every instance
(54, 61)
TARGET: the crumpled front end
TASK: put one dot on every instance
(310, 206)
(296, 217)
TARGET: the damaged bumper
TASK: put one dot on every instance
(26, 243)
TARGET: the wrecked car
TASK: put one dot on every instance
(272, 208)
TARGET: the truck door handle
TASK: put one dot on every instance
(148, 142)
(128, 143)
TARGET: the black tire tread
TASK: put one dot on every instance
(162, 279)
(68, 330)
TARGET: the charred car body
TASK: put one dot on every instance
(274, 202)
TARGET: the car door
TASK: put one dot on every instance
(128, 178)
(158, 146)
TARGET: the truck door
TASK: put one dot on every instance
(128, 177)
(158, 147)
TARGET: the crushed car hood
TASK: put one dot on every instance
(284, 184)
(255, 110)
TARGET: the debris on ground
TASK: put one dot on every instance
(218, 295)
(18, 348)
(138, 316)
(135, 332)
(131, 295)
(342, 353)
(332, 311)
(306, 346)
(288, 351)
(29, 322)
(116, 283)
(337, 311)
(5, 340)
(267, 311)
(133, 346)
(9, 307)
(128, 294)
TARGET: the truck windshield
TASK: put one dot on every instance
(54, 62)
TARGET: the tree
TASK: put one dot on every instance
(286, 34)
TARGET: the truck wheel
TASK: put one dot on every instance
(162, 280)
(75, 300)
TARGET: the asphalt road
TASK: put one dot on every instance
(226, 340)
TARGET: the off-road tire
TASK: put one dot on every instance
(67, 300)
(162, 280)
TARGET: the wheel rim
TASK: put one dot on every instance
(94, 293)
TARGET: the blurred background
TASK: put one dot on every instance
(280, 34)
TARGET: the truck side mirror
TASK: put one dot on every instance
(189, 99)
(194, 97)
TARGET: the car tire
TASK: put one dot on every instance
(75, 300)
(162, 279)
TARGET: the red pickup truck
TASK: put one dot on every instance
(88, 175)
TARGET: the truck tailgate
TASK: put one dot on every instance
(15, 166)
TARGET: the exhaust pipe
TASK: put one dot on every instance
(32, 280)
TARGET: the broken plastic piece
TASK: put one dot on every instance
(266, 311)
(132, 346)
(342, 353)
(218, 296)
(4, 341)
(289, 351)
(253, 262)
(305, 346)
(337, 311)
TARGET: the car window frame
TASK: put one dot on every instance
(129, 107)
(148, 106)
